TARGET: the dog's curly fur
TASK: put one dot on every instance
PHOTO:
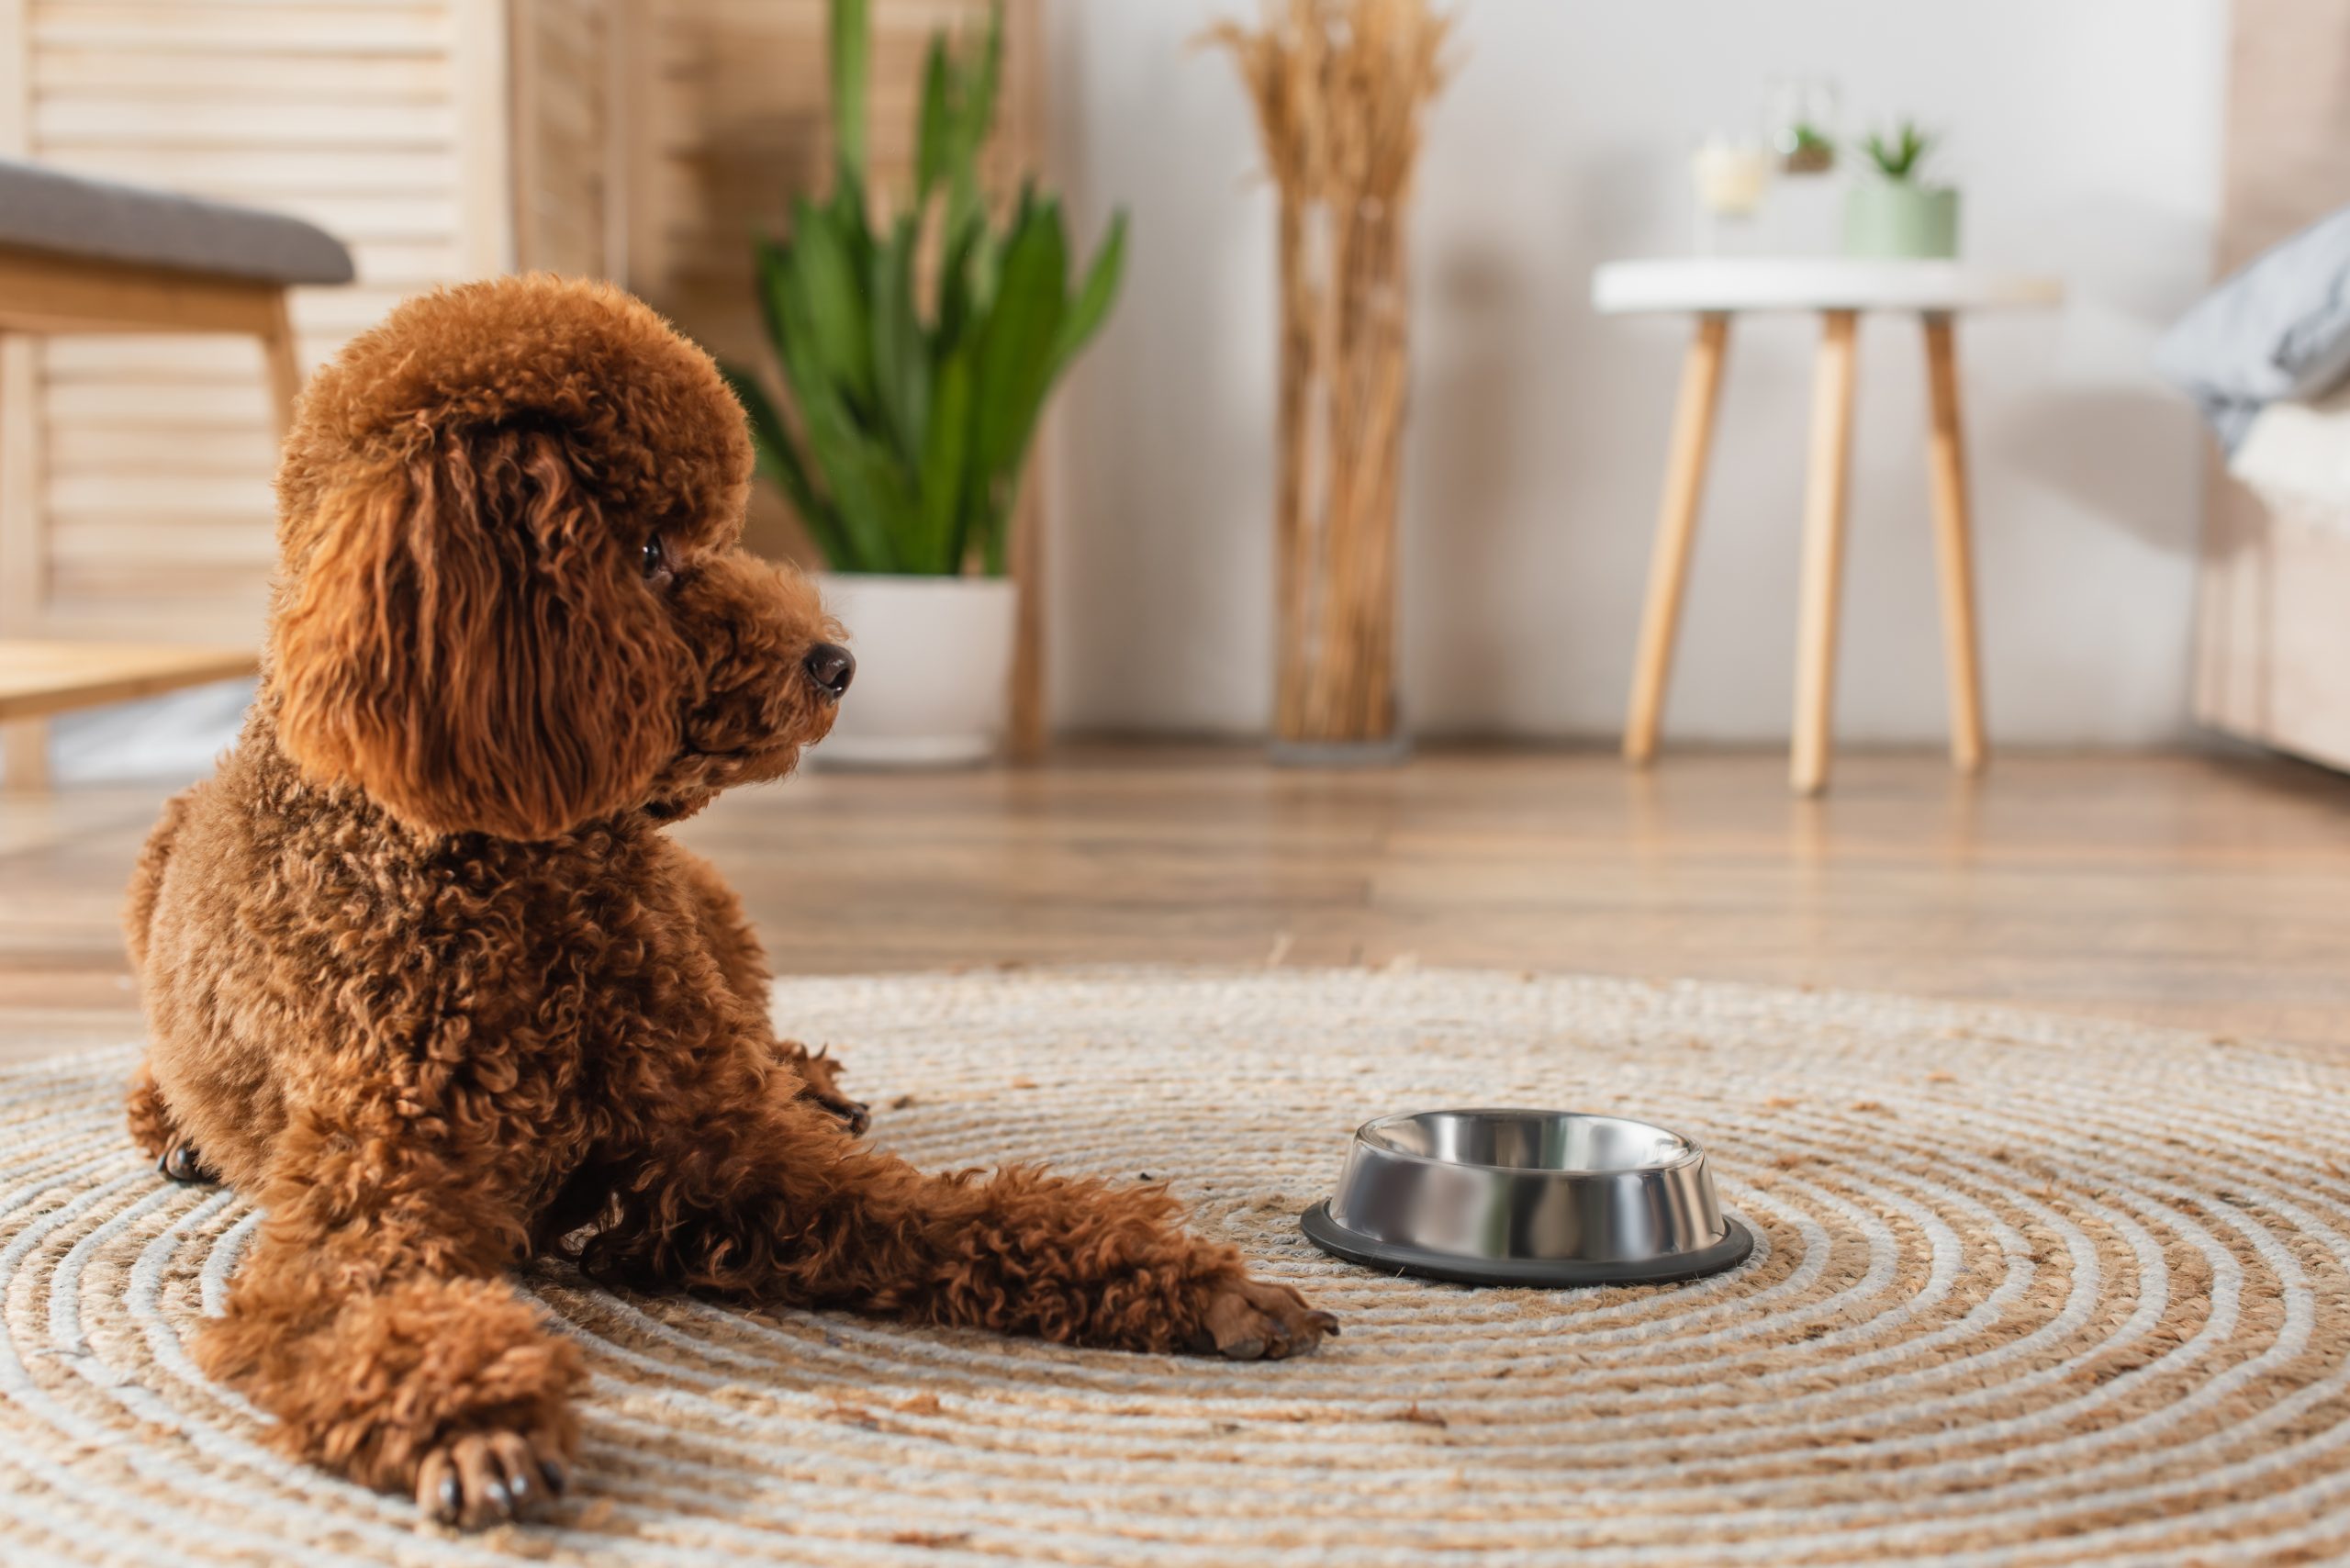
(428, 981)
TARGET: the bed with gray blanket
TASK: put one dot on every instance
(2266, 357)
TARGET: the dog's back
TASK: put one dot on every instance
(190, 925)
(147, 878)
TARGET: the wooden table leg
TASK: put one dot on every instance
(1953, 547)
(1823, 548)
(1677, 524)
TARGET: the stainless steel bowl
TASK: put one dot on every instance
(1513, 1197)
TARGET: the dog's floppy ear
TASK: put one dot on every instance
(459, 636)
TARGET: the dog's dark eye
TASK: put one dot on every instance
(656, 560)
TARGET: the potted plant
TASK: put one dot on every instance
(1801, 117)
(1896, 213)
(918, 349)
(1806, 149)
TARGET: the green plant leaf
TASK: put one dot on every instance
(779, 460)
(934, 132)
(1014, 365)
(954, 292)
(822, 273)
(945, 516)
(979, 105)
(851, 40)
(835, 443)
(896, 511)
(771, 261)
(1016, 342)
(1899, 156)
(974, 116)
(793, 338)
(901, 352)
(851, 227)
(1093, 300)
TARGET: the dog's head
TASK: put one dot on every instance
(512, 595)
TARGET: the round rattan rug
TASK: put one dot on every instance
(2025, 1290)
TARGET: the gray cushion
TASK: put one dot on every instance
(2279, 329)
(41, 209)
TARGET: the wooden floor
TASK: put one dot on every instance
(2201, 890)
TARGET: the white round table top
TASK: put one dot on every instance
(1706, 283)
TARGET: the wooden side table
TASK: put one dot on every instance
(1713, 290)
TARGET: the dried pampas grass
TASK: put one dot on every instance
(1341, 88)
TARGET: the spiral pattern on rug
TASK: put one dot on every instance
(2025, 1290)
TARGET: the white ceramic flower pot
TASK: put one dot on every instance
(932, 686)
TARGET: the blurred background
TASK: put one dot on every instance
(649, 140)
(1385, 413)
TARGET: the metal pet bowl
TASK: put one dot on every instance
(1508, 1198)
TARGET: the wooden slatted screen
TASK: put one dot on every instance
(407, 127)
(571, 133)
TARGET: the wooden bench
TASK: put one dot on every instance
(38, 680)
(80, 256)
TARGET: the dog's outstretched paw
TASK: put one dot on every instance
(820, 1074)
(1249, 1320)
(489, 1478)
(854, 1114)
(182, 1163)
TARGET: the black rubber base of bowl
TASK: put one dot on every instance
(1390, 1258)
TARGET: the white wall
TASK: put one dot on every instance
(2085, 134)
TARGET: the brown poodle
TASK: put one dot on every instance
(430, 984)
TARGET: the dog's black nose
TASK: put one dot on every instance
(830, 667)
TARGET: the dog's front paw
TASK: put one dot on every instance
(1248, 1319)
(854, 1114)
(820, 1076)
(488, 1478)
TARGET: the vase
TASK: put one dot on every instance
(1899, 218)
(932, 686)
(1341, 88)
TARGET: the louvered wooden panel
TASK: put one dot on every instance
(439, 139)
(568, 128)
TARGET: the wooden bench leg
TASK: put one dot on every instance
(1823, 548)
(24, 755)
(285, 365)
(24, 744)
(1676, 525)
(1953, 547)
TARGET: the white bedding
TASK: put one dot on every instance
(2295, 457)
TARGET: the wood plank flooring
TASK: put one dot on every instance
(2204, 891)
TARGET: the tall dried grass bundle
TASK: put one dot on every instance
(1340, 87)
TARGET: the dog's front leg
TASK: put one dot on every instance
(771, 1200)
(727, 934)
(371, 1319)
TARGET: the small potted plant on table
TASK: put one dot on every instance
(1896, 213)
(918, 351)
